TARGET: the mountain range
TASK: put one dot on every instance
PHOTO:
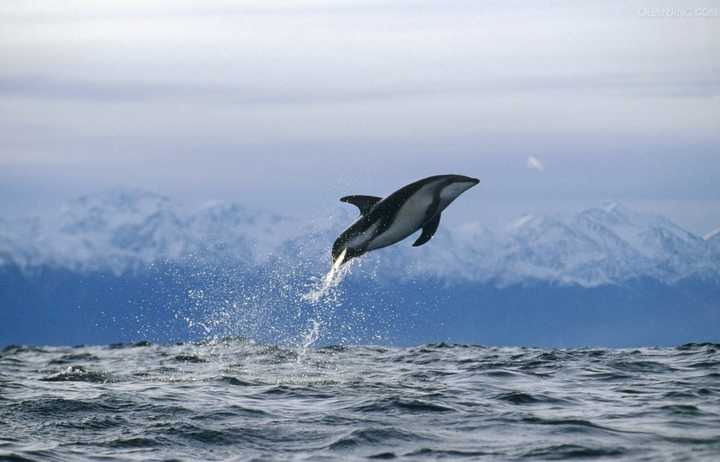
(126, 230)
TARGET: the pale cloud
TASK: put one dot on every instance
(534, 163)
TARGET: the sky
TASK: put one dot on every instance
(288, 105)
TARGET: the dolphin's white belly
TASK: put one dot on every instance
(409, 218)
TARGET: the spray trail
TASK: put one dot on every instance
(331, 280)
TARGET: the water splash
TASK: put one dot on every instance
(324, 297)
(324, 287)
(293, 303)
(311, 336)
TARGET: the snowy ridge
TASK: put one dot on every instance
(597, 246)
(127, 230)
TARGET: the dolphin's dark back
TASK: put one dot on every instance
(387, 208)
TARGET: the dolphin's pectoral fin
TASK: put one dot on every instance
(364, 203)
(428, 231)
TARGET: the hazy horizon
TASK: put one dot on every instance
(286, 106)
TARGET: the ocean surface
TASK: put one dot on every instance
(237, 400)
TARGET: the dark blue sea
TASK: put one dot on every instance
(237, 400)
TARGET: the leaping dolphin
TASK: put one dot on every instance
(384, 222)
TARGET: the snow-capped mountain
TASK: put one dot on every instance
(122, 230)
(597, 246)
(126, 230)
(117, 230)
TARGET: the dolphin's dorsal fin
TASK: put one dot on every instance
(428, 231)
(364, 203)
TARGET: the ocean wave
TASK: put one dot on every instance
(404, 405)
(368, 437)
(230, 399)
(573, 451)
(79, 374)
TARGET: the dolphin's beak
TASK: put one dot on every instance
(464, 179)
